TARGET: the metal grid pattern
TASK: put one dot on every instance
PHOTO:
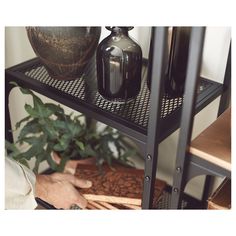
(84, 89)
(165, 200)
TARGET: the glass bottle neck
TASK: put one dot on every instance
(120, 30)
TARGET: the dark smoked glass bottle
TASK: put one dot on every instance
(176, 66)
(119, 65)
(178, 59)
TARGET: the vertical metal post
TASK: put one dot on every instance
(209, 180)
(8, 133)
(192, 78)
(225, 97)
(159, 48)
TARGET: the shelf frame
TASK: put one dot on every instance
(168, 124)
(154, 129)
(147, 137)
(193, 69)
(188, 165)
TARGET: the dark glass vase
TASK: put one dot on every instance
(176, 65)
(178, 59)
(119, 65)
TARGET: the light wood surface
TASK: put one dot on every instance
(221, 198)
(214, 143)
(112, 199)
(108, 206)
(97, 205)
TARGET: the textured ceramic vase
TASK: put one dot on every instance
(119, 66)
(64, 51)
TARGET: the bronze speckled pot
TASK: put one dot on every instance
(64, 51)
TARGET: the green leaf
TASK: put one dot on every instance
(18, 124)
(13, 151)
(31, 152)
(14, 83)
(63, 144)
(31, 111)
(58, 147)
(80, 145)
(11, 147)
(24, 162)
(62, 164)
(66, 138)
(50, 131)
(50, 161)
(32, 127)
(92, 135)
(38, 111)
(36, 100)
(54, 108)
(37, 147)
(108, 129)
(34, 140)
(42, 122)
(39, 158)
(25, 91)
(42, 111)
(58, 124)
(73, 126)
(89, 152)
(39, 108)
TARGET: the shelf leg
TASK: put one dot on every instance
(8, 133)
(207, 189)
(226, 95)
(156, 64)
(193, 69)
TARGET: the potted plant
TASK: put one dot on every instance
(47, 129)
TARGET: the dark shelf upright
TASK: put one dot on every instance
(193, 69)
(187, 164)
(153, 134)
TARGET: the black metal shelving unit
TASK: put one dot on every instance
(189, 165)
(148, 120)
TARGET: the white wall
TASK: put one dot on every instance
(17, 46)
(215, 51)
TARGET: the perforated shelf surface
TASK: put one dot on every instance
(81, 94)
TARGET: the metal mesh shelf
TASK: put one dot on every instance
(81, 94)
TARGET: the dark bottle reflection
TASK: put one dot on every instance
(176, 67)
(178, 60)
(119, 64)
